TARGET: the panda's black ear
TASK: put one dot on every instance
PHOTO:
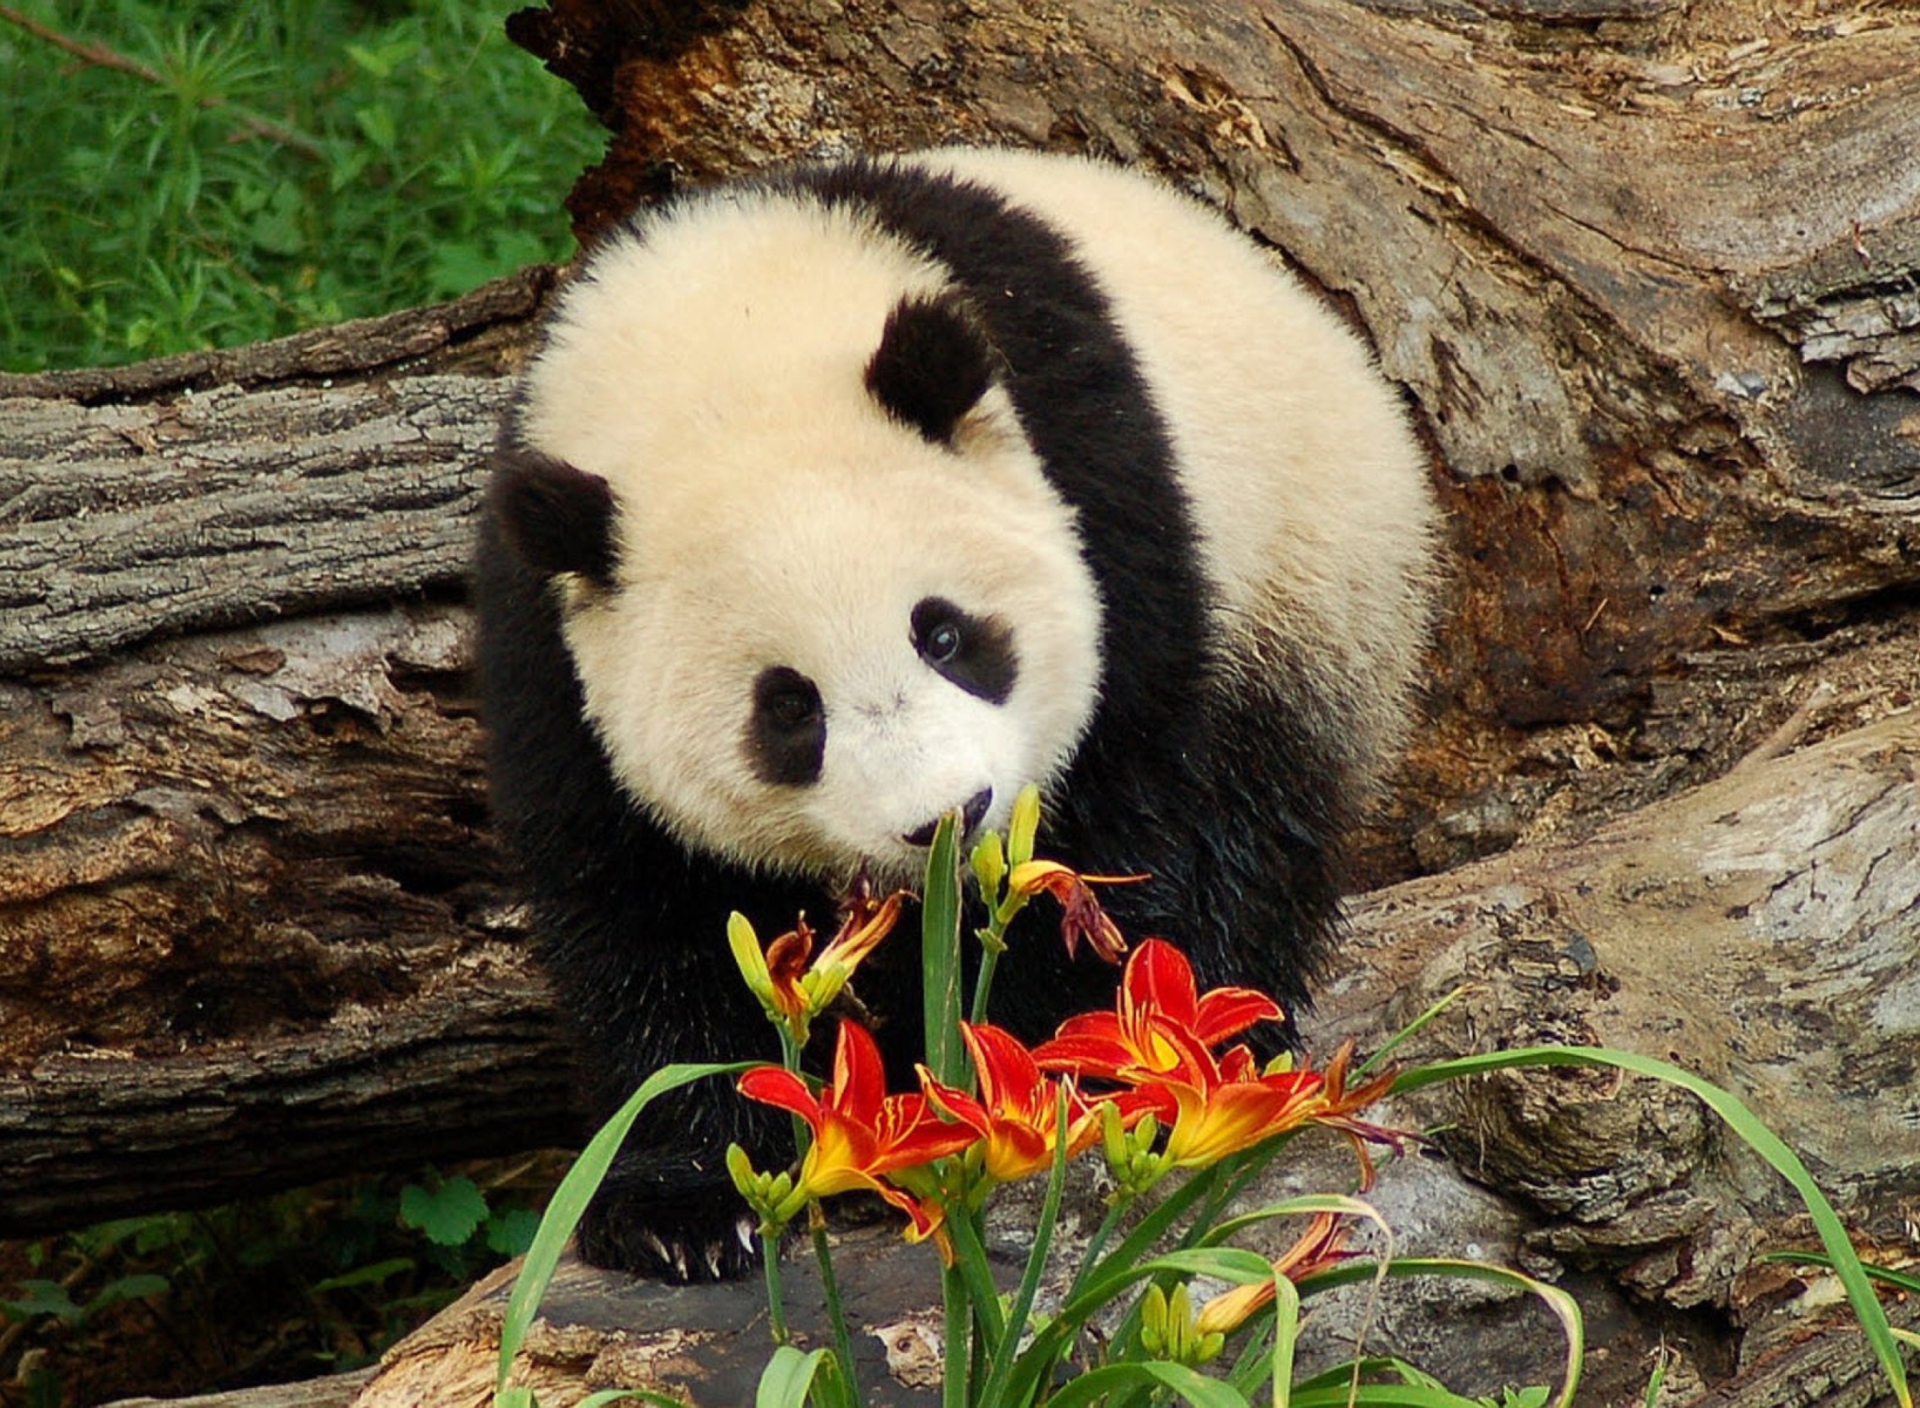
(933, 365)
(554, 517)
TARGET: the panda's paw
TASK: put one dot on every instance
(677, 1240)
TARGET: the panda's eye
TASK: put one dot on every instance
(942, 643)
(973, 652)
(790, 708)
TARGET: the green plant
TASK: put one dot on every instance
(301, 1283)
(205, 174)
(1169, 1093)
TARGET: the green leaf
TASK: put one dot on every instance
(940, 958)
(370, 1275)
(510, 1233)
(1194, 1388)
(376, 124)
(1564, 1306)
(135, 1287)
(44, 1298)
(383, 60)
(570, 1201)
(449, 1214)
(787, 1378)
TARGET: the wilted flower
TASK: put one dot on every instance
(790, 982)
(1081, 915)
(1318, 1248)
(860, 1133)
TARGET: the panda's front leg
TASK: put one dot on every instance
(667, 1211)
(647, 987)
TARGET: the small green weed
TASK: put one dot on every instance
(206, 174)
(300, 1284)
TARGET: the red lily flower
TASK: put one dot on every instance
(861, 1135)
(1160, 1041)
(1163, 1028)
(1016, 1114)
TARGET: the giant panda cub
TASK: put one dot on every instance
(850, 496)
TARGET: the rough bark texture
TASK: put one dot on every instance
(1646, 272)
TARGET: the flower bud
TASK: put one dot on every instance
(989, 861)
(1024, 825)
(749, 959)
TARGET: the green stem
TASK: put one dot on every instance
(1003, 1363)
(953, 1376)
(983, 981)
(776, 1304)
(836, 1313)
(977, 1275)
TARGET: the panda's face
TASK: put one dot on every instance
(817, 684)
(826, 593)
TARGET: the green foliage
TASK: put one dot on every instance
(215, 173)
(291, 1286)
(449, 1213)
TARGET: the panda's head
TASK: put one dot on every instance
(815, 586)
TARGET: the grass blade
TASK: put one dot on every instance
(570, 1201)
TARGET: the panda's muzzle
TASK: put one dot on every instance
(970, 817)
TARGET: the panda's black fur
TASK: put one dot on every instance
(1225, 793)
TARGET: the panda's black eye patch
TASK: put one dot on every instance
(787, 734)
(974, 652)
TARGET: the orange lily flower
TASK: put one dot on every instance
(1160, 1041)
(1211, 1123)
(860, 1133)
(1015, 1116)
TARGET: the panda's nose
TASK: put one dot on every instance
(970, 817)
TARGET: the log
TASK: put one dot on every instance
(334, 1391)
(216, 488)
(252, 928)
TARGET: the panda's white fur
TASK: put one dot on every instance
(711, 374)
(763, 488)
(779, 437)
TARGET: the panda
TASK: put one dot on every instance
(852, 495)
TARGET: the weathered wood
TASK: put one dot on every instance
(471, 1064)
(335, 1391)
(1762, 931)
(246, 891)
(221, 488)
